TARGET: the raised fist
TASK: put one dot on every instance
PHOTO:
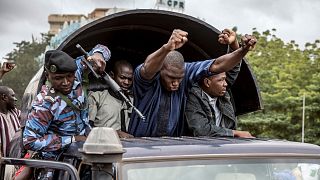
(227, 36)
(177, 39)
(248, 42)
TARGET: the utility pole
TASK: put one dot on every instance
(303, 110)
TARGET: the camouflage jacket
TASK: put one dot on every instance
(52, 122)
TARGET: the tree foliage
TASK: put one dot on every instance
(285, 73)
(26, 65)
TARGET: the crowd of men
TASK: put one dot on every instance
(171, 93)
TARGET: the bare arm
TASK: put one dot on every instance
(228, 61)
(154, 61)
(229, 37)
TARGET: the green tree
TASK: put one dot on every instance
(284, 73)
(26, 65)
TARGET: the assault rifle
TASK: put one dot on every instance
(107, 79)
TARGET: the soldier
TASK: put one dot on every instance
(59, 115)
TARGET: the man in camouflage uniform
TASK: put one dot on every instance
(59, 114)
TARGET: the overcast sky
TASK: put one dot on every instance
(294, 19)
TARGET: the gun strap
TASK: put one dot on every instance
(69, 103)
(85, 83)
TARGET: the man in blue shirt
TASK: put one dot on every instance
(162, 82)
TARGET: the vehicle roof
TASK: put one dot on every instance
(183, 147)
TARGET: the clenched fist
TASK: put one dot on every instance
(177, 39)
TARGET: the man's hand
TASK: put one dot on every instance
(99, 62)
(6, 67)
(243, 134)
(248, 42)
(122, 134)
(177, 39)
(227, 36)
(80, 138)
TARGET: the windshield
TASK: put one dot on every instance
(253, 169)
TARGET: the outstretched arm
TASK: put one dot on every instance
(229, 37)
(228, 61)
(154, 61)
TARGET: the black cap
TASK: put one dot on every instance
(59, 62)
